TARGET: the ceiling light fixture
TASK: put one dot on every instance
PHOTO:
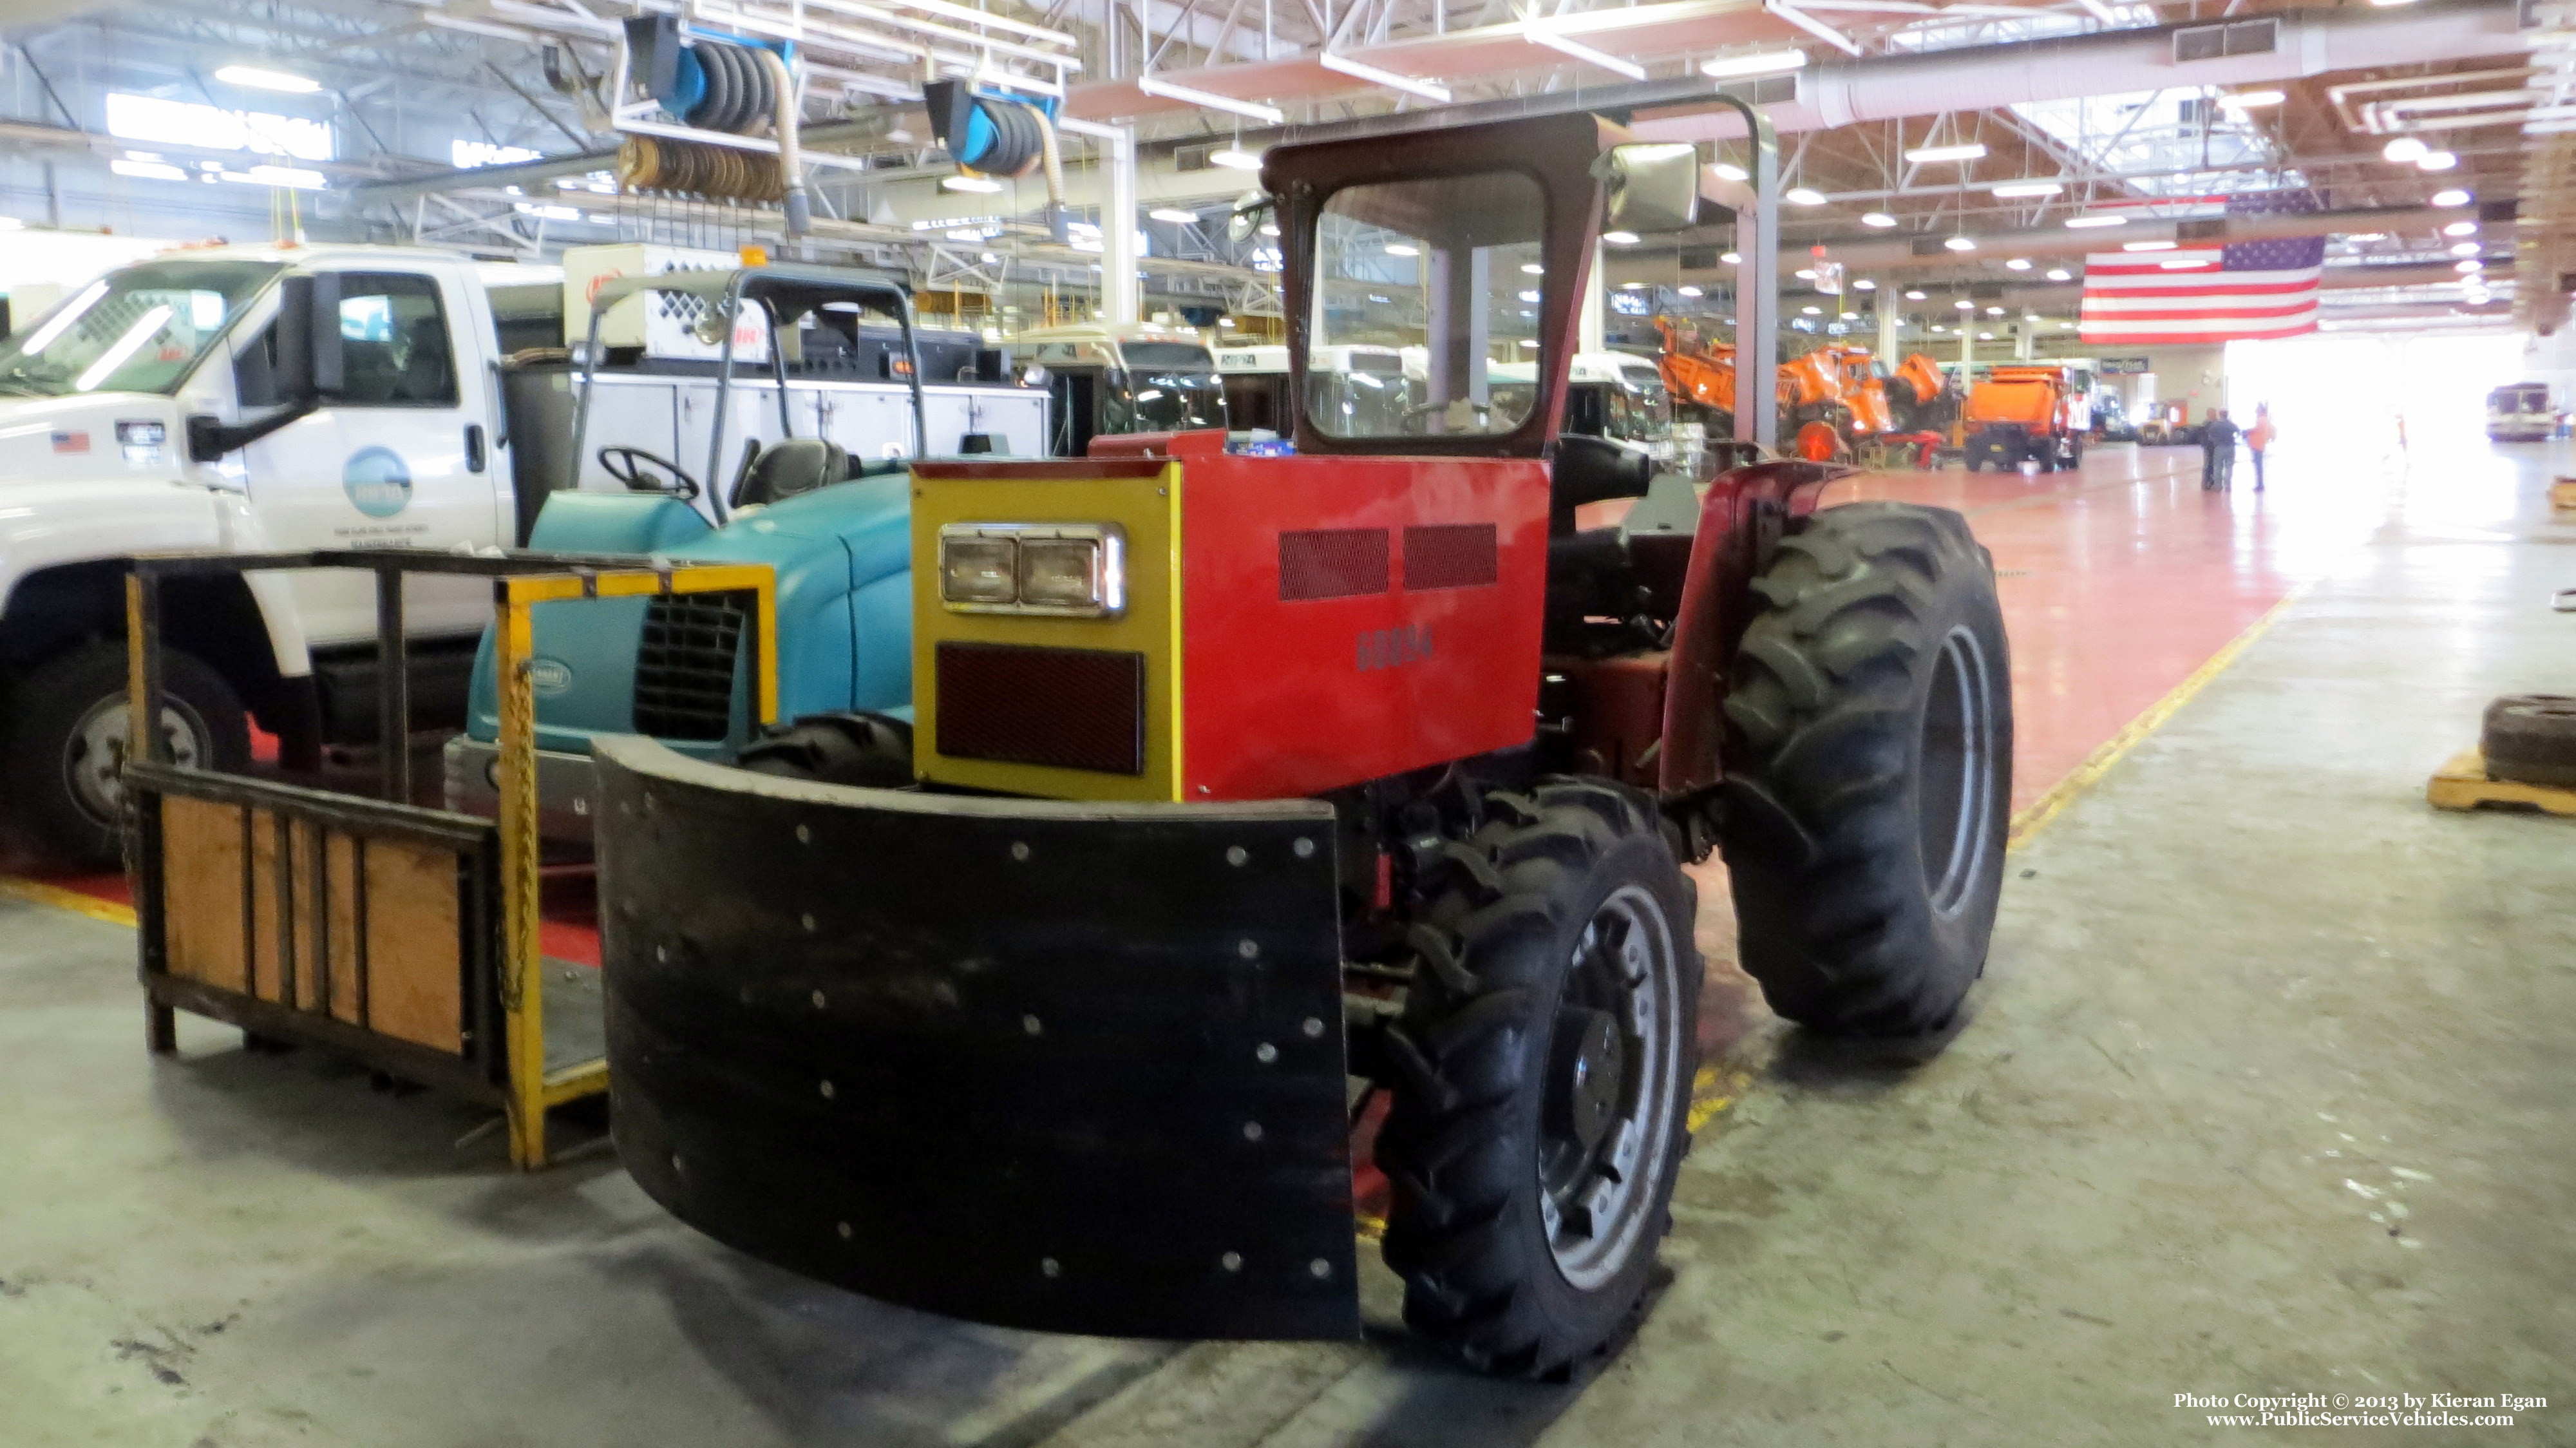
(2437, 161)
(2146, 246)
(2012, 189)
(2245, 99)
(1879, 219)
(1960, 243)
(272, 80)
(2080, 223)
(1538, 34)
(1210, 101)
(1533, 269)
(1812, 311)
(1174, 215)
(2060, 274)
(1994, 311)
(2465, 248)
(2461, 228)
(1963, 304)
(2019, 263)
(979, 184)
(2404, 149)
(1729, 171)
(1767, 62)
(1397, 248)
(1930, 155)
(1620, 238)
(1985, 336)
(1732, 258)
(2186, 263)
(1686, 291)
(1912, 296)
(1428, 90)
(2452, 197)
(1864, 284)
(1803, 196)
(1235, 158)
(2470, 268)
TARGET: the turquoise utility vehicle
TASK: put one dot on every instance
(816, 500)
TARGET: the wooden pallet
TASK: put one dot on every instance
(2463, 784)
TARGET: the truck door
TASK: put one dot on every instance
(403, 456)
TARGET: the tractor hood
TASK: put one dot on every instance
(835, 550)
(89, 435)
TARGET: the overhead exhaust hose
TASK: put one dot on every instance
(1055, 218)
(791, 174)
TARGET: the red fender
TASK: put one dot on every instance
(1740, 518)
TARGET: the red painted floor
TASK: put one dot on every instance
(2118, 582)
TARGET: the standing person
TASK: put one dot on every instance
(2259, 437)
(2217, 450)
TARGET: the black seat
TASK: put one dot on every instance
(428, 374)
(798, 465)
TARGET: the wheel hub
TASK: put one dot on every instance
(1590, 1077)
(1613, 1098)
(94, 757)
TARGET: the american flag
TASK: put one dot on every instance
(2242, 291)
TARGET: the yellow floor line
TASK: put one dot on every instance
(2048, 806)
(72, 900)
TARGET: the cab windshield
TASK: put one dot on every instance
(138, 329)
(1450, 265)
(1174, 385)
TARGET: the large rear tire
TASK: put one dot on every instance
(1543, 1065)
(65, 748)
(1870, 777)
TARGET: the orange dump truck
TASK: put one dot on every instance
(2029, 412)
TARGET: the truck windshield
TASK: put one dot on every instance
(1448, 264)
(138, 329)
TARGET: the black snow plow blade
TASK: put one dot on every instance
(1076, 1068)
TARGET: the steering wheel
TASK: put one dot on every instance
(628, 465)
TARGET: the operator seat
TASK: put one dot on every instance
(785, 469)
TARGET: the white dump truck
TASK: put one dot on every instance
(175, 403)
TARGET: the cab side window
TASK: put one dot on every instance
(393, 340)
(394, 347)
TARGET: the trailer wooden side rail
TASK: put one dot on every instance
(402, 935)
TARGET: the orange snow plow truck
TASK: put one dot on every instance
(2022, 413)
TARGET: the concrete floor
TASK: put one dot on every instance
(2267, 1091)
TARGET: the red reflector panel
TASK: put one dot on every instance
(1332, 563)
(1449, 555)
(1067, 708)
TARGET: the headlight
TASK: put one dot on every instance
(1075, 570)
(978, 570)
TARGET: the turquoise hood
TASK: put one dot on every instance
(843, 559)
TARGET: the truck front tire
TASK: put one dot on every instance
(1869, 774)
(1542, 1072)
(66, 733)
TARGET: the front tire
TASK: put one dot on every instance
(66, 736)
(868, 750)
(1869, 784)
(1543, 1064)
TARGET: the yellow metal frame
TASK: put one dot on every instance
(1148, 507)
(532, 1088)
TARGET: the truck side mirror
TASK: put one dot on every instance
(308, 338)
(1653, 186)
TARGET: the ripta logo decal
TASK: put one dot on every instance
(378, 481)
(1386, 648)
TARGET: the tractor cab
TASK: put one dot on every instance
(1245, 784)
(1105, 379)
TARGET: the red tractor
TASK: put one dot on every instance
(1243, 788)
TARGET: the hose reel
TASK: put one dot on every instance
(995, 136)
(714, 84)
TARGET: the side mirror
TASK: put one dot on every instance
(1653, 186)
(308, 339)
